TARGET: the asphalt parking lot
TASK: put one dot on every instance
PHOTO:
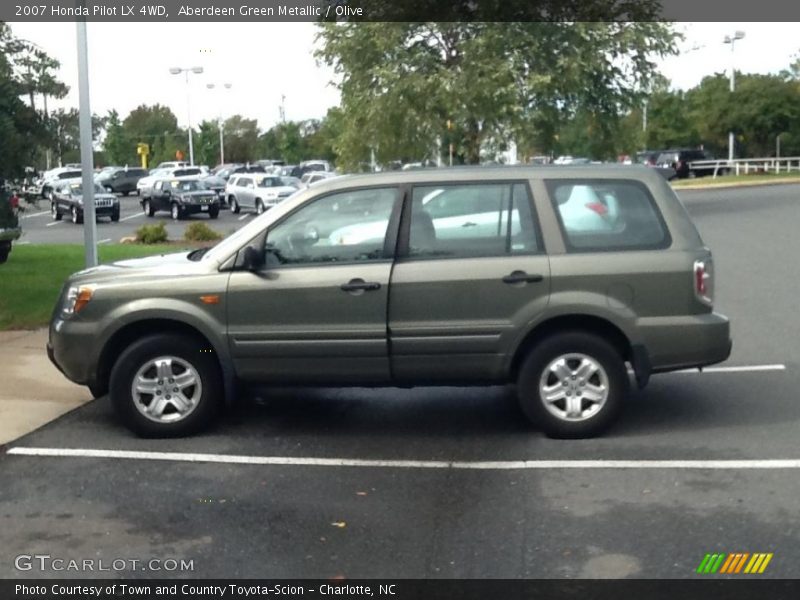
(39, 227)
(452, 482)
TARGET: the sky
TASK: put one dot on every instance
(129, 64)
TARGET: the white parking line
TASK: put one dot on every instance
(54, 223)
(739, 369)
(133, 216)
(408, 464)
(243, 217)
(39, 214)
(105, 241)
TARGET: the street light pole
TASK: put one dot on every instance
(731, 39)
(220, 123)
(87, 157)
(186, 70)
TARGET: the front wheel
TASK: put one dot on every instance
(235, 208)
(54, 211)
(165, 386)
(147, 208)
(259, 207)
(213, 213)
(573, 385)
(115, 216)
(5, 250)
(77, 217)
(176, 211)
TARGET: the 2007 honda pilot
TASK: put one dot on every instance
(553, 278)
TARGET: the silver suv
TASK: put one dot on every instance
(553, 278)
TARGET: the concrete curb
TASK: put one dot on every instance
(721, 186)
(33, 391)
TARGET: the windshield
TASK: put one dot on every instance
(76, 189)
(270, 182)
(187, 186)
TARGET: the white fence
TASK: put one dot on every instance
(745, 166)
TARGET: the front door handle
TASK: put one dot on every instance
(359, 285)
(522, 277)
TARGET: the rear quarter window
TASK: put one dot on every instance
(607, 215)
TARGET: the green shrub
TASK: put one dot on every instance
(152, 234)
(200, 232)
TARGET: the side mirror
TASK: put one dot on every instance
(253, 259)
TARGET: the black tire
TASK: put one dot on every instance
(77, 217)
(176, 212)
(533, 372)
(115, 216)
(213, 213)
(98, 390)
(5, 250)
(235, 208)
(54, 211)
(125, 193)
(259, 207)
(136, 356)
(147, 208)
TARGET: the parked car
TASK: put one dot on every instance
(121, 180)
(681, 160)
(291, 181)
(544, 299)
(52, 178)
(9, 221)
(145, 185)
(315, 176)
(172, 164)
(67, 199)
(217, 185)
(181, 197)
(256, 191)
(648, 157)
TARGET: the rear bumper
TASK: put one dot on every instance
(686, 342)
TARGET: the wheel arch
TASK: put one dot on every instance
(130, 332)
(575, 322)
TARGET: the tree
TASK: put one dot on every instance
(22, 129)
(402, 82)
(206, 143)
(157, 126)
(241, 139)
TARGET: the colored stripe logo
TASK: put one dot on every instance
(735, 563)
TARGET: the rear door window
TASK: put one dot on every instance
(466, 220)
(607, 215)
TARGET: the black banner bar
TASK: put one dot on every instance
(741, 588)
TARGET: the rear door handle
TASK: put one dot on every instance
(359, 285)
(522, 277)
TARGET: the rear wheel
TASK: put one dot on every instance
(573, 385)
(164, 386)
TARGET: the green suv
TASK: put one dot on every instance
(553, 278)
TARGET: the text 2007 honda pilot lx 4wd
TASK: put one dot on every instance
(553, 278)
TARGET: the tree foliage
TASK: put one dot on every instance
(402, 82)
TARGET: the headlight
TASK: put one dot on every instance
(76, 299)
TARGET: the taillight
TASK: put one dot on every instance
(704, 280)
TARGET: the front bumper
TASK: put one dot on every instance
(191, 209)
(67, 350)
(685, 342)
